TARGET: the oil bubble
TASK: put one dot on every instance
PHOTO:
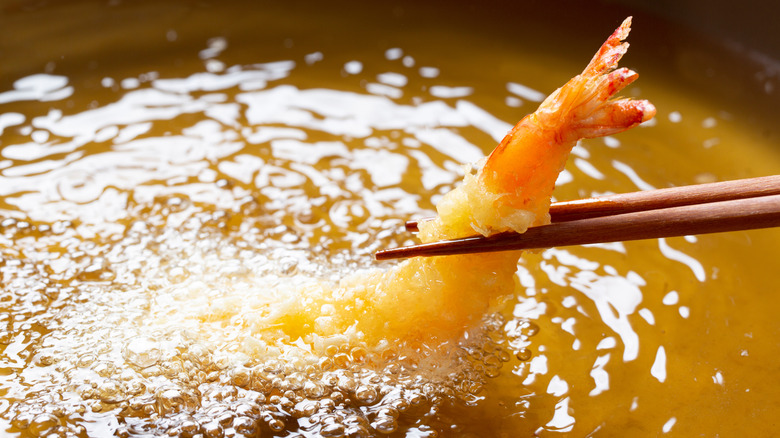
(385, 425)
(492, 372)
(142, 352)
(346, 383)
(524, 354)
(247, 410)
(366, 394)
(241, 376)
(307, 408)
(492, 361)
(245, 426)
(189, 426)
(276, 425)
(111, 391)
(358, 354)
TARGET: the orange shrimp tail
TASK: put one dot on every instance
(611, 116)
(610, 52)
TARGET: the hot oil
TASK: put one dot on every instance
(160, 207)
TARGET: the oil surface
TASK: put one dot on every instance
(159, 192)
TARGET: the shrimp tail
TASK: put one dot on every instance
(582, 108)
(610, 52)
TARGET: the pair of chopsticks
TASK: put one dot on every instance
(678, 211)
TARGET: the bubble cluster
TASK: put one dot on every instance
(124, 347)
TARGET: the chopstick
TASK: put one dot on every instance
(699, 209)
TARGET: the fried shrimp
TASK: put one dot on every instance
(511, 191)
(439, 297)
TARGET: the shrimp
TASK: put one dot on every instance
(512, 190)
(438, 297)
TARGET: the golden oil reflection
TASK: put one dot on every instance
(177, 198)
(618, 302)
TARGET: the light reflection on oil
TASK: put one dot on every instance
(137, 221)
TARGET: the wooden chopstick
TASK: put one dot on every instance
(759, 209)
(655, 199)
